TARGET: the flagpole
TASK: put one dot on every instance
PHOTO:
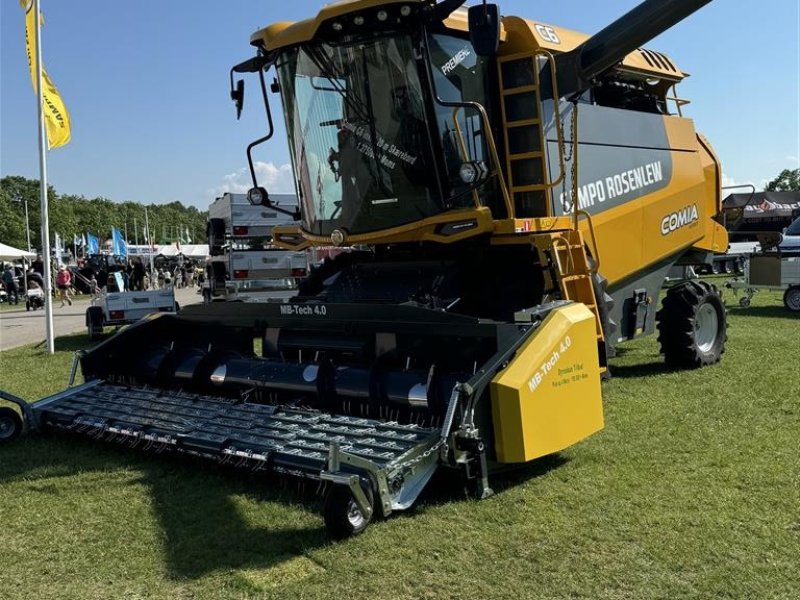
(149, 245)
(48, 285)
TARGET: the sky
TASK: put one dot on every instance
(146, 84)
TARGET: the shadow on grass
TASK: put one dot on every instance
(770, 312)
(203, 529)
(448, 485)
(656, 367)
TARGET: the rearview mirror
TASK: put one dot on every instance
(484, 28)
(237, 95)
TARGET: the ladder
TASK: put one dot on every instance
(525, 146)
(567, 252)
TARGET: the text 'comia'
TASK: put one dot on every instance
(681, 218)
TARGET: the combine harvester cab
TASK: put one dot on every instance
(469, 327)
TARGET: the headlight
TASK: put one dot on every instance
(468, 173)
(257, 196)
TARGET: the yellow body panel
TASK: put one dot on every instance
(549, 397)
(475, 221)
(286, 34)
(525, 35)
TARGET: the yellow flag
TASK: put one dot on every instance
(56, 117)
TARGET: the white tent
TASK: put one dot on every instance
(187, 250)
(9, 253)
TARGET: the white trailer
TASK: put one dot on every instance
(120, 308)
(243, 261)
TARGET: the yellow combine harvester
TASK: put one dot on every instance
(515, 193)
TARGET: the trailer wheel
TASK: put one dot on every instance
(94, 322)
(791, 298)
(343, 517)
(744, 302)
(10, 424)
(692, 325)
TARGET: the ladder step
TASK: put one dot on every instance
(519, 90)
(538, 187)
(523, 123)
(524, 155)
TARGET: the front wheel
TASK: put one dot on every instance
(692, 325)
(10, 424)
(791, 298)
(343, 517)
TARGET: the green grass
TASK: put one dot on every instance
(691, 491)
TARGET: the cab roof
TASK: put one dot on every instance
(518, 35)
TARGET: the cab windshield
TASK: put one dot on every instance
(359, 138)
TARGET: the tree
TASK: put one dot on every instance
(75, 215)
(787, 181)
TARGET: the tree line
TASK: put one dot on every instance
(72, 215)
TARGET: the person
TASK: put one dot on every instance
(93, 287)
(10, 282)
(138, 274)
(38, 265)
(63, 282)
(176, 274)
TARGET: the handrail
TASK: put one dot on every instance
(477, 106)
(556, 117)
(462, 145)
(679, 102)
(594, 238)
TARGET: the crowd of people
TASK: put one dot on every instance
(134, 276)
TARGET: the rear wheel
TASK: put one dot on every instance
(604, 305)
(10, 424)
(692, 325)
(791, 298)
(343, 517)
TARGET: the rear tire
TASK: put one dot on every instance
(692, 325)
(604, 305)
(791, 298)
(343, 518)
(10, 425)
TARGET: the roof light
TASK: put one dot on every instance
(337, 26)
(382, 15)
(405, 10)
(359, 20)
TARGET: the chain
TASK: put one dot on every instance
(573, 158)
(442, 443)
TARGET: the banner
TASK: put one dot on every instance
(56, 117)
(92, 244)
(119, 246)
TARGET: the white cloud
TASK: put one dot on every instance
(278, 179)
(792, 159)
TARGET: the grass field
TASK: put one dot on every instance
(691, 491)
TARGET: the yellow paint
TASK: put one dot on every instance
(286, 34)
(549, 397)
(426, 230)
(525, 35)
